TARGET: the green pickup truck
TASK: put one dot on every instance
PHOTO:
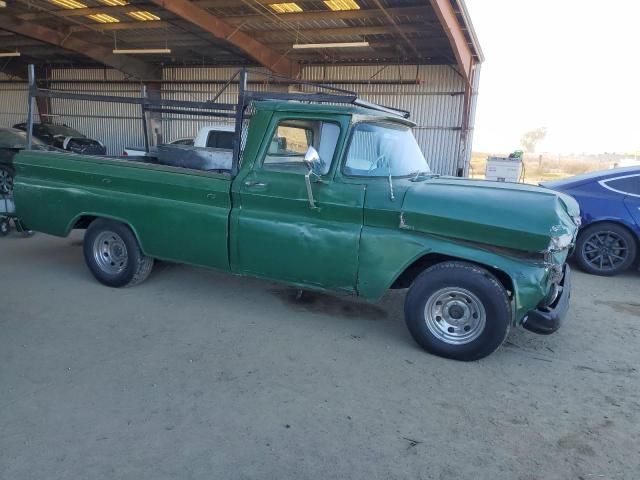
(331, 197)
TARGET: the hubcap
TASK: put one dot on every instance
(6, 181)
(110, 252)
(455, 315)
(605, 251)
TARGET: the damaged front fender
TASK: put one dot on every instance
(387, 254)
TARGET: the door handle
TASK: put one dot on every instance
(106, 180)
(211, 196)
(254, 183)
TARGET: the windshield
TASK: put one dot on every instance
(61, 130)
(15, 139)
(380, 150)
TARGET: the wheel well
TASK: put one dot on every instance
(83, 222)
(621, 225)
(407, 277)
(615, 222)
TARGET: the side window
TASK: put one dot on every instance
(292, 139)
(626, 185)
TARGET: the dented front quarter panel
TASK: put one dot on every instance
(502, 231)
(381, 265)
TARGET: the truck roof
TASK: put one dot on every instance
(343, 109)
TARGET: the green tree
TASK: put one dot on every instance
(530, 139)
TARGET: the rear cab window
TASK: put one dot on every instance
(218, 139)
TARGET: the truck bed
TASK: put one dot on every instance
(176, 213)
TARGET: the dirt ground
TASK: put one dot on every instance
(201, 375)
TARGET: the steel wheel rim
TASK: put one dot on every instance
(455, 315)
(110, 253)
(605, 251)
(6, 181)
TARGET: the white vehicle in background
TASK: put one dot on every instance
(213, 136)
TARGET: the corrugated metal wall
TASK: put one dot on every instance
(179, 88)
(116, 125)
(432, 93)
(435, 101)
(13, 102)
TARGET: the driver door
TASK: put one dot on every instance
(277, 234)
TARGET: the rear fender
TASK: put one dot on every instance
(95, 216)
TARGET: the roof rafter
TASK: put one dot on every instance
(347, 31)
(260, 52)
(447, 16)
(99, 53)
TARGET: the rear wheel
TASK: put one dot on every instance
(458, 310)
(5, 226)
(113, 254)
(605, 249)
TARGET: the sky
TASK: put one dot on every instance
(572, 66)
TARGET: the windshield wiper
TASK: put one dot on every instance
(422, 173)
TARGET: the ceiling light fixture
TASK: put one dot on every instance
(103, 18)
(290, 7)
(9, 54)
(143, 16)
(115, 3)
(300, 46)
(70, 4)
(136, 51)
(341, 5)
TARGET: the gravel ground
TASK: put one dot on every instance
(196, 374)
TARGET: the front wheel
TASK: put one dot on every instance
(458, 310)
(113, 254)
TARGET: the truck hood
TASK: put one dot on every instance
(515, 216)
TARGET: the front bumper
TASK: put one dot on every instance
(546, 320)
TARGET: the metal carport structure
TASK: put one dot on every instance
(420, 55)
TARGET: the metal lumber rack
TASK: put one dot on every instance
(211, 108)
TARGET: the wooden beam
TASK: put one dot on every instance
(109, 27)
(260, 52)
(81, 12)
(447, 16)
(104, 55)
(329, 15)
(241, 19)
(343, 31)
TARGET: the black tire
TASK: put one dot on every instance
(5, 227)
(113, 254)
(6, 179)
(605, 249)
(458, 288)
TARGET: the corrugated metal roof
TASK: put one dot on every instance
(195, 46)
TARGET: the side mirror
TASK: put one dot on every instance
(312, 160)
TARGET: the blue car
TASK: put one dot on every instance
(609, 236)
